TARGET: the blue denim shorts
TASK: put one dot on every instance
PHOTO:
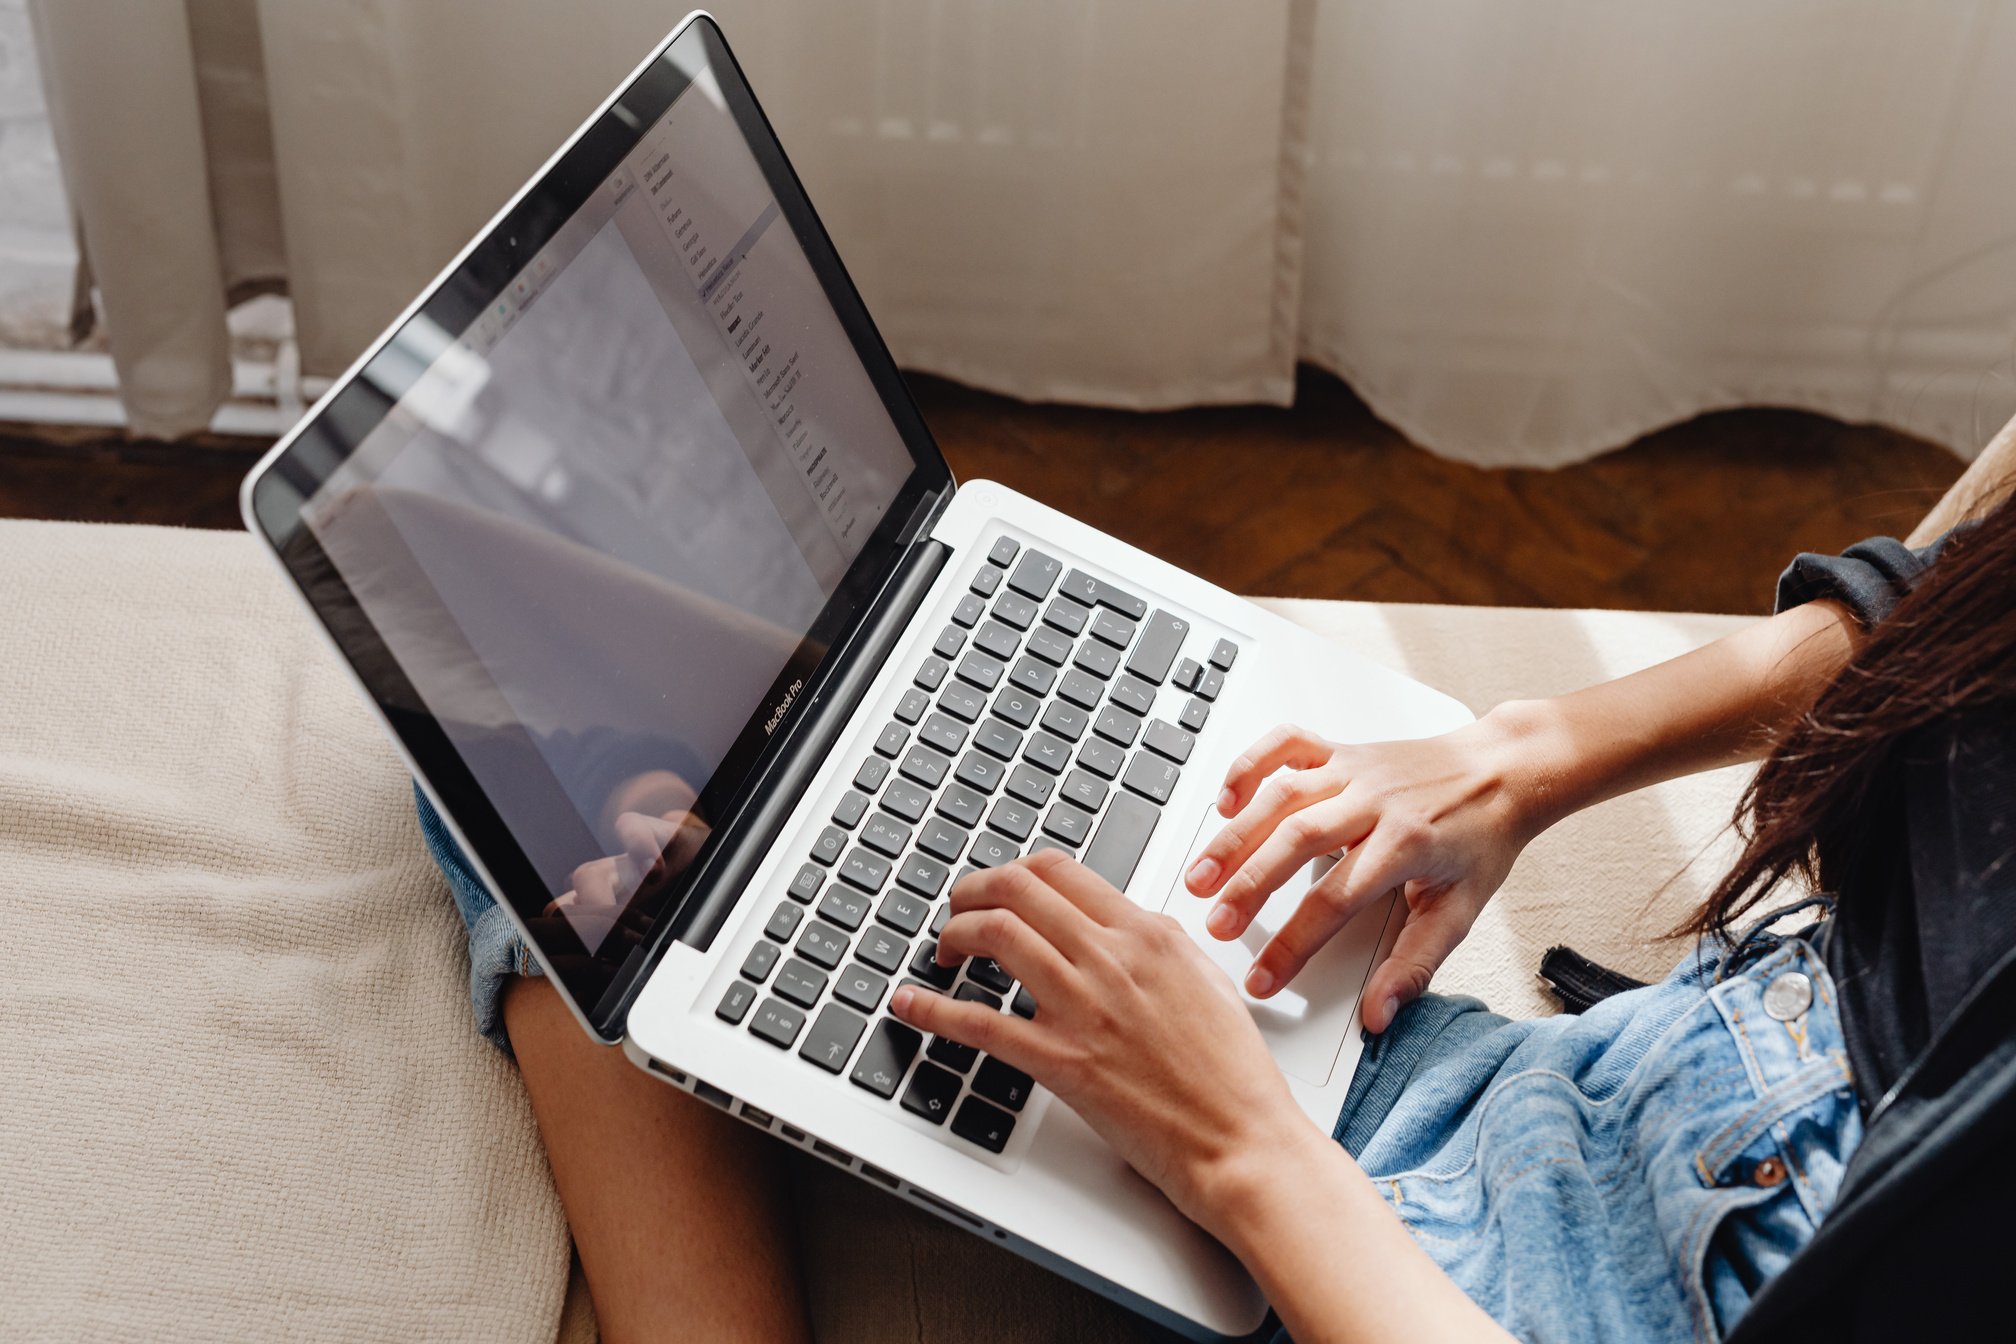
(1633, 1173)
(496, 952)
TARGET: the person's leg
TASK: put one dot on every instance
(679, 1212)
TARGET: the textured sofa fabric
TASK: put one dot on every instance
(240, 1097)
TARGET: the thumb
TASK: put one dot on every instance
(1431, 933)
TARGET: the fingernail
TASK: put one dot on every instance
(1392, 1007)
(1202, 874)
(1223, 921)
(1259, 983)
(899, 1002)
(1225, 800)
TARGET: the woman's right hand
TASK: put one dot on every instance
(1443, 818)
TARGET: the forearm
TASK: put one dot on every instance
(1724, 703)
(1332, 1257)
(1977, 490)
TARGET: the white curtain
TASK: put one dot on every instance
(1525, 230)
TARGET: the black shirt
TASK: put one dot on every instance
(1905, 947)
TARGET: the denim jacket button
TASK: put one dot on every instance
(1788, 995)
(1768, 1173)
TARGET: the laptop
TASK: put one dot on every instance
(638, 547)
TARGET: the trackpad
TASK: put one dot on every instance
(1306, 1024)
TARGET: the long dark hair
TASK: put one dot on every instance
(1826, 805)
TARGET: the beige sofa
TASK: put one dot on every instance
(240, 1096)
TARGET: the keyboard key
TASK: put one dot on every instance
(1080, 690)
(997, 640)
(1024, 1003)
(859, 987)
(1098, 659)
(924, 875)
(963, 702)
(1151, 776)
(1029, 784)
(1097, 592)
(1033, 675)
(1067, 615)
(1051, 753)
(1069, 823)
(1195, 712)
(830, 1043)
(1017, 706)
(891, 1047)
(943, 732)
(1157, 649)
(1136, 695)
(885, 834)
(844, 906)
(848, 813)
(939, 920)
(1002, 553)
(1212, 686)
(968, 611)
(734, 1005)
(990, 851)
(1114, 628)
(972, 993)
(978, 770)
(761, 959)
(822, 944)
(777, 1023)
(1118, 725)
(1015, 609)
(1013, 819)
(1002, 1083)
(1067, 721)
(882, 949)
(832, 842)
(1102, 758)
(865, 869)
(986, 580)
(930, 672)
(954, 1056)
(931, 1093)
(997, 738)
(871, 774)
(911, 707)
(942, 839)
(906, 800)
(783, 922)
(983, 1124)
(924, 965)
(962, 804)
(1187, 674)
(987, 973)
(926, 766)
(950, 640)
(1050, 646)
(979, 669)
(801, 982)
(1168, 740)
(1085, 789)
(1122, 835)
(1043, 842)
(903, 911)
(1223, 653)
(890, 743)
(1036, 575)
(806, 885)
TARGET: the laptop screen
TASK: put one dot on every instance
(596, 527)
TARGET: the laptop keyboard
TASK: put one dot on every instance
(1030, 725)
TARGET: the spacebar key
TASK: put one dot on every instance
(1121, 837)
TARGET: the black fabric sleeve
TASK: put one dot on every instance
(1869, 578)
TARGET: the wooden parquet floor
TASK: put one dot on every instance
(1319, 500)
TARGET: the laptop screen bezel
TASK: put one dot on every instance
(596, 982)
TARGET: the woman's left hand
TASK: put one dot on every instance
(1135, 1030)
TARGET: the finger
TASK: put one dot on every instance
(1278, 800)
(1022, 887)
(1286, 745)
(1359, 878)
(1004, 1035)
(1301, 837)
(661, 844)
(1425, 942)
(1020, 950)
(1085, 889)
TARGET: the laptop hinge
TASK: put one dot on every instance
(921, 518)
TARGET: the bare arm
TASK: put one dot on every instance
(1979, 488)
